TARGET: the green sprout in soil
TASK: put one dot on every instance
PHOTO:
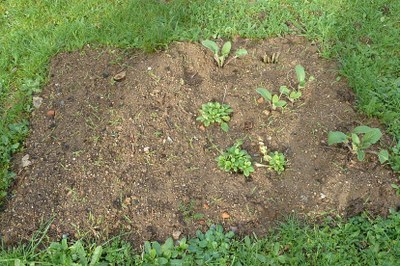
(236, 159)
(358, 141)
(276, 160)
(292, 95)
(214, 112)
(273, 100)
(226, 49)
(301, 76)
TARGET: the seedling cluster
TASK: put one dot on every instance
(236, 159)
(358, 140)
(215, 112)
(276, 100)
(220, 59)
(276, 160)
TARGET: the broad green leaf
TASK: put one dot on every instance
(300, 73)
(371, 137)
(96, 256)
(280, 104)
(383, 156)
(266, 94)
(335, 137)
(211, 45)
(241, 52)
(284, 90)
(226, 49)
(225, 127)
(362, 129)
(360, 155)
(355, 139)
(275, 98)
(294, 95)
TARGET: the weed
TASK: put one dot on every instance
(273, 100)
(394, 158)
(188, 212)
(361, 138)
(235, 159)
(214, 112)
(226, 49)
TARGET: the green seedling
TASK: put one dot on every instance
(215, 112)
(301, 76)
(274, 100)
(291, 95)
(276, 160)
(225, 51)
(235, 159)
(360, 139)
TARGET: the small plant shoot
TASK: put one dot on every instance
(276, 160)
(274, 100)
(301, 76)
(225, 51)
(292, 95)
(215, 112)
(360, 139)
(235, 159)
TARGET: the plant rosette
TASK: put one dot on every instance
(215, 113)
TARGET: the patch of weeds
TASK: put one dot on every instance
(357, 141)
(188, 211)
(225, 51)
(165, 254)
(215, 112)
(276, 160)
(236, 159)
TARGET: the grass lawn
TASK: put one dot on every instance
(363, 36)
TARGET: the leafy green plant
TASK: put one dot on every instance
(300, 75)
(215, 112)
(276, 160)
(226, 49)
(235, 159)
(360, 139)
(292, 95)
(273, 100)
(165, 254)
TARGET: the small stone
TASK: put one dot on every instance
(260, 100)
(37, 101)
(206, 206)
(266, 112)
(202, 128)
(322, 195)
(225, 215)
(146, 149)
(25, 161)
(51, 113)
(176, 235)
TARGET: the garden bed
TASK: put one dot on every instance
(119, 153)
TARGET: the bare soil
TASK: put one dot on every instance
(130, 156)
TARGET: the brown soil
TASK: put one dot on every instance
(129, 155)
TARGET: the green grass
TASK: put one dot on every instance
(359, 241)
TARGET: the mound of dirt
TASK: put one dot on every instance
(125, 153)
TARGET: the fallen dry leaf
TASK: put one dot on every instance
(120, 76)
